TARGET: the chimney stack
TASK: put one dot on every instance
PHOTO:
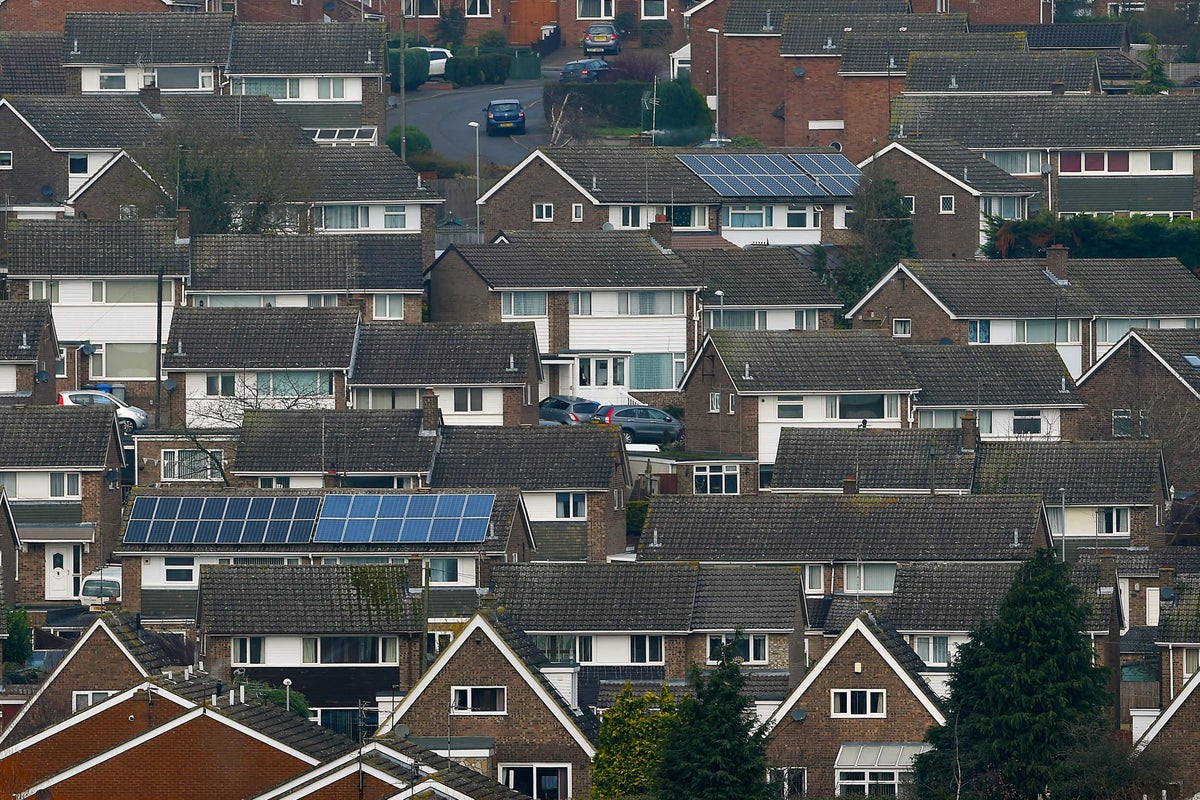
(183, 224)
(1057, 88)
(151, 99)
(431, 415)
(660, 231)
(1108, 571)
(850, 484)
(1056, 261)
(1166, 578)
(970, 433)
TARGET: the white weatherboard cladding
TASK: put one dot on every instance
(77, 318)
(492, 413)
(634, 334)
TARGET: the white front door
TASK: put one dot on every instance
(62, 571)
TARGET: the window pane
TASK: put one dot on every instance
(130, 360)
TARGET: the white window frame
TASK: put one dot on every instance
(902, 328)
(629, 303)
(649, 643)
(275, 482)
(505, 777)
(389, 306)
(814, 579)
(438, 568)
(871, 777)
(87, 699)
(224, 384)
(847, 697)
(395, 217)
(468, 400)
(173, 462)
(854, 577)
(570, 505)
(60, 363)
(1027, 415)
(1191, 661)
(44, 290)
(462, 701)
(331, 88)
(73, 159)
(179, 569)
(925, 646)
(67, 487)
(111, 74)
(703, 476)
(945, 207)
(714, 402)
(1122, 423)
(508, 304)
(242, 651)
(1113, 521)
(6, 159)
(757, 646)
(605, 6)
(543, 212)
(631, 216)
(579, 304)
(792, 402)
(910, 203)
(479, 8)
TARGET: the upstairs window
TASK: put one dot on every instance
(979, 331)
(331, 88)
(1112, 520)
(220, 384)
(112, 79)
(570, 505)
(64, 485)
(870, 578)
(523, 304)
(1027, 421)
(479, 700)
(295, 383)
(751, 649)
(191, 465)
(1162, 162)
(6, 159)
(645, 649)
(468, 399)
(715, 478)
(933, 650)
(650, 303)
(248, 650)
(859, 703)
(77, 164)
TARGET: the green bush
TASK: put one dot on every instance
(635, 516)
(487, 69)
(493, 38)
(626, 23)
(611, 105)
(294, 701)
(442, 166)
(452, 26)
(682, 113)
(417, 142)
(416, 68)
(413, 40)
(18, 647)
(655, 32)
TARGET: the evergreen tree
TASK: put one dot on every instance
(1024, 692)
(882, 235)
(1155, 76)
(716, 750)
(18, 647)
(630, 747)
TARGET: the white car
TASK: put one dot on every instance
(129, 418)
(438, 56)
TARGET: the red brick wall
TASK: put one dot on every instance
(123, 184)
(985, 12)
(34, 165)
(903, 298)
(819, 95)
(278, 11)
(746, 61)
(868, 110)
(735, 433)
(51, 15)
(458, 294)
(511, 207)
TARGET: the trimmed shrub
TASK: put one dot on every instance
(417, 143)
(626, 23)
(487, 69)
(416, 68)
(612, 105)
(655, 32)
(493, 38)
(682, 113)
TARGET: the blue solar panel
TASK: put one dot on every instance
(223, 520)
(407, 519)
(752, 175)
(834, 172)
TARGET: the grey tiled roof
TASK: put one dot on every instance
(444, 354)
(1067, 36)
(965, 376)
(889, 52)
(1140, 639)
(825, 34)
(450, 773)
(758, 276)
(1024, 72)
(31, 63)
(87, 121)
(560, 540)
(65, 248)
(1057, 123)
(1099, 604)
(967, 166)
(21, 323)
(577, 259)
(793, 528)
(746, 597)
(267, 48)
(1179, 622)
(627, 175)
(751, 16)
(541, 457)
(55, 436)
(344, 440)
(816, 361)
(895, 460)
(307, 600)
(363, 174)
(153, 650)
(903, 653)
(1110, 473)
(262, 338)
(1172, 345)
(1129, 287)
(949, 596)
(349, 263)
(1141, 562)
(237, 116)
(146, 39)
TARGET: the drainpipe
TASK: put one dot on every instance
(1171, 668)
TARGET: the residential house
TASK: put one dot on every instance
(1027, 72)
(1178, 638)
(951, 193)
(1148, 384)
(744, 387)
(10, 555)
(615, 311)
(1171, 733)
(31, 62)
(1107, 42)
(61, 474)
(342, 634)
(491, 686)
(29, 353)
(223, 361)
(481, 373)
(1083, 306)
(574, 481)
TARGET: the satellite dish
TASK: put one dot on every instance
(946, 340)
(799, 715)
(88, 349)
(401, 730)
(799, 72)
(392, 102)
(608, 226)
(41, 376)
(47, 191)
(170, 385)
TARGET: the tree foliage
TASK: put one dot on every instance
(1154, 79)
(716, 750)
(451, 26)
(630, 747)
(1024, 692)
(682, 113)
(291, 700)
(881, 227)
(1096, 237)
(18, 647)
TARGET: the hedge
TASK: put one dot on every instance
(416, 68)
(616, 105)
(487, 69)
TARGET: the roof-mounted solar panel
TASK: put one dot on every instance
(221, 520)
(405, 519)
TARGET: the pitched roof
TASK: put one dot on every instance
(576, 259)
(31, 63)
(445, 354)
(21, 324)
(110, 247)
(639, 174)
(1098, 599)
(307, 599)
(816, 361)
(542, 457)
(146, 39)
(87, 121)
(450, 773)
(262, 338)
(359, 174)
(888, 52)
(795, 528)
(235, 116)
(882, 459)
(1057, 123)
(1146, 563)
(998, 72)
(723, 602)
(966, 166)
(947, 595)
(1112, 473)
(825, 34)
(349, 263)
(276, 48)
(1066, 36)
(55, 436)
(1173, 346)
(1179, 621)
(977, 377)
(758, 276)
(345, 440)
(152, 650)
(765, 17)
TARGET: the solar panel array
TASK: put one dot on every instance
(222, 520)
(752, 175)
(405, 519)
(834, 172)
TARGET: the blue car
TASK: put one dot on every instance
(505, 117)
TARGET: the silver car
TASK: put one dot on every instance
(129, 418)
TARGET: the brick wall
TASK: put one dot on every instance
(458, 294)
(122, 185)
(558, 311)
(149, 456)
(41, 393)
(936, 235)
(511, 208)
(34, 165)
(746, 61)
(278, 11)
(987, 12)
(429, 219)
(868, 112)
(735, 433)
(901, 297)
(51, 15)
(818, 95)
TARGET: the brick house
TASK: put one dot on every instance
(950, 192)
(1173, 731)
(497, 685)
(29, 352)
(1148, 384)
(1023, 71)
(1083, 306)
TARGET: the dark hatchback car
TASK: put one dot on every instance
(641, 424)
(587, 69)
(601, 37)
(505, 116)
(566, 409)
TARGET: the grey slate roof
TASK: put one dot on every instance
(639, 174)
(237, 116)
(21, 323)
(576, 259)
(560, 540)
(31, 63)
(93, 38)
(1058, 123)
(1172, 345)
(977, 377)
(947, 595)
(1179, 622)
(262, 338)
(60, 437)
(87, 121)
(268, 48)
(308, 600)
(1109, 473)
(1066, 36)
(151, 649)
(751, 16)
(1099, 604)
(813, 361)
(795, 528)
(100, 248)
(758, 276)
(345, 440)
(362, 174)
(1141, 562)
(309, 263)
(967, 166)
(543, 457)
(876, 53)
(825, 34)
(745, 598)
(445, 354)
(999, 72)
(883, 459)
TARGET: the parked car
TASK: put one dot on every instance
(601, 37)
(505, 116)
(102, 586)
(566, 409)
(129, 418)
(641, 424)
(585, 69)
(438, 56)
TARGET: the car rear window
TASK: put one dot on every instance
(505, 107)
(587, 408)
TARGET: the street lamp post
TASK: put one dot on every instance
(478, 230)
(717, 68)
